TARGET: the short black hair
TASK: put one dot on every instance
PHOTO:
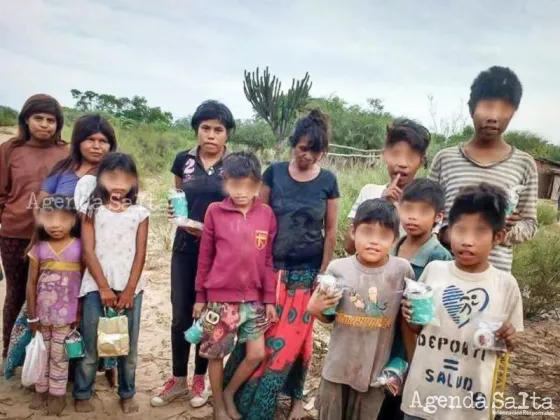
(416, 135)
(496, 83)
(424, 189)
(487, 200)
(242, 165)
(213, 110)
(315, 128)
(378, 211)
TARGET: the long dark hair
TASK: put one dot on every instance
(84, 127)
(56, 202)
(38, 104)
(316, 128)
(112, 162)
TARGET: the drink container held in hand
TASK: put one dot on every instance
(421, 298)
(513, 199)
(329, 286)
(178, 201)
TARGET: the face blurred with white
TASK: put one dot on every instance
(373, 242)
(57, 223)
(242, 190)
(118, 183)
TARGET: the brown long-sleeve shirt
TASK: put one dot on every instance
(22, 169)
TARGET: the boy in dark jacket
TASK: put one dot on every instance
(236, 283)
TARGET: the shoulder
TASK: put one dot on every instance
(399, 264)
(448, 152)
(525, 159)
(370, 191)
(328, 174)
(87, 182)
(141, 212)
(438, 266)
(440, 253)
(505, 278)
(274, 166)
(181, 156)
(340, 265)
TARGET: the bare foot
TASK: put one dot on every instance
(129, 406)
(56, 405)
(111, 375)
(221, 415)
(39, 401)
(84, 406)
(231, 409)
(297, 411)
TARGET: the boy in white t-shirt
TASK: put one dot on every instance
(450, 379)
(404, 154)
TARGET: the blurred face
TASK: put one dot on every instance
(403, 160)
(418, 217)
(212, 137)
(57, 223)
(94, 148)
(373, 242)
(472, 239)
(118, 183)
(491, 118)
(304, 157)
(42, 126)
(242, 190)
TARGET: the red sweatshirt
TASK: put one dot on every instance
(235, 260)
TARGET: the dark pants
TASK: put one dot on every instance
(391, 408)
(183, 275)
(16, 267)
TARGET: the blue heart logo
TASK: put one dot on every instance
(462, 306)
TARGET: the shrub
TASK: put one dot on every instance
(8, 116)
(546, 214)
(536, 266)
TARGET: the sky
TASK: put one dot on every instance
(178, 53)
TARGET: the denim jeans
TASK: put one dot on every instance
(86, 368)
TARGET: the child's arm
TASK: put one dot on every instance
(31, 293)
(108, 297)
(523, 223)
(205, 259)
(126, 298)
(409, 338)
(331, 223)
(319, 302)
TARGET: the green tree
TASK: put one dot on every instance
(278, 109)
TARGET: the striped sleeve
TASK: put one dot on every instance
(435, 169)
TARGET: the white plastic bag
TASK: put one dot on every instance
(35, 361)
(485, 335)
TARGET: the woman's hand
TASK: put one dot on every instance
(108, 297)
(319, 302)
(125, 300)
(271, 314)
(198, 309)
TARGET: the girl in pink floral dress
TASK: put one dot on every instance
(53, 287)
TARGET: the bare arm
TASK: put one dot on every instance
(265, 194)
(31, 288)
(178, 182)
(409, 338)
(331, 223)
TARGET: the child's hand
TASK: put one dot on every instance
(125, 300)
(271, 314)
(108, 297)
(33, 327)
(193, 231)
(319, 302)
(393, 193)
(406, 310)
(198, 309)
(507, 333)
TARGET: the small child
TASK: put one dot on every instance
(236, 283)
(404, 154)
(363, 333)
(55, 272)
(115, 236)
(420, 209)
(447, 370)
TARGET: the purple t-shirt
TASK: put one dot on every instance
(63, 183)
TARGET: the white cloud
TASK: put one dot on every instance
(178, 53)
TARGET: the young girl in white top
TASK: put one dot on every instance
(114, 235)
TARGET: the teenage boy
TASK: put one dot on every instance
(495, 97)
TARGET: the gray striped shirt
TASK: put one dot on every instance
(453, 169)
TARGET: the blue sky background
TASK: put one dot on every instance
(177, 53)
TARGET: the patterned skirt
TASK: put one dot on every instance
(289, 346)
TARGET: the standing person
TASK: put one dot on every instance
(366, 318)
(24, 161)
(404, 154)
(445, 382)
(198, 172)
(495, 97)
(236, 282)
(304, 198)
(55, 275)
(115, 236)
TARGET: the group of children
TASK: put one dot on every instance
(451, 231)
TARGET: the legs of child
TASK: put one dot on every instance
(297, 412)
(216, 374)
(254, 355)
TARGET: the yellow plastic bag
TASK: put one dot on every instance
(112, 336)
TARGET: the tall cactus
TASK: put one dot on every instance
(277, 108)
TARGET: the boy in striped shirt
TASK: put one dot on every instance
(495, 97)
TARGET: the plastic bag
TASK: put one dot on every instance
(484, 336)
(35, 361)
(393, 374)
(112, 336)
(330, 286)
(513, 199)
(421, 297)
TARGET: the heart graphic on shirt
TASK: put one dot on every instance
(462, 306)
